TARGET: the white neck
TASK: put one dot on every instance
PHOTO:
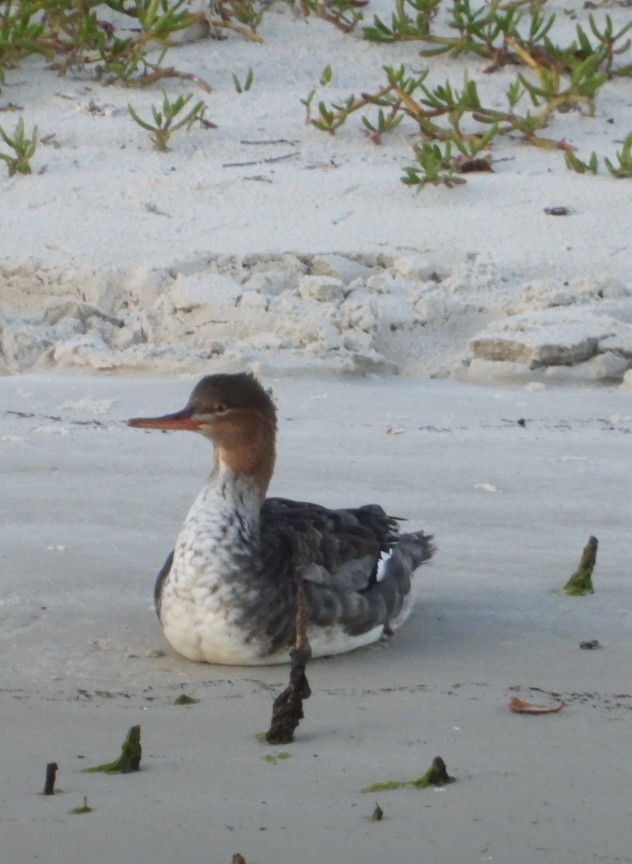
(226, 512)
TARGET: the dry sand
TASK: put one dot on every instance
(266, 181)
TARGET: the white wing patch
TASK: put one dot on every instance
(381, 566)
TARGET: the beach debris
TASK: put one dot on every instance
(470, 166)
(273, 758)
(436, 775)
(519, 706)
(237, 859)
(580, 582)
(557, 211)
(287, 710)
(183, 699)
(378, 813)
(589, 644)
(49, 783)
(128, 761)
(77, 811)
(486, 487)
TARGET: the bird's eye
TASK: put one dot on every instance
(221, 408)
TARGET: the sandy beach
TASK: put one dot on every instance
(90, 511)
(459, 356)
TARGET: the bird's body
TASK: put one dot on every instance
(227, 593)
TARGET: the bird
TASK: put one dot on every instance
(227, 593)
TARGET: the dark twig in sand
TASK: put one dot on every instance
(287, 710)
(580, 582)
(270, 141)
(267, 161)
(49, 785)
(378, 813)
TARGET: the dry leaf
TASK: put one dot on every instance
(468, 166)
(522, 707)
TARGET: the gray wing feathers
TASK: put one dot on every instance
(336, 553)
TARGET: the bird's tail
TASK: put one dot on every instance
(409, 552)
(389, 598)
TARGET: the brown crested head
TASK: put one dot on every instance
(231, 396)
(236, 414)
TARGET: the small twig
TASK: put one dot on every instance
(51, 771)
(270, 141)
(265, 161)
(158, 74)
(287, 711)
(237, 28)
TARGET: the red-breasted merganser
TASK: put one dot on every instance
(227, 593)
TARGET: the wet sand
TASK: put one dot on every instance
(90, 510)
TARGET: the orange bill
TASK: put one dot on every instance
(179, 420)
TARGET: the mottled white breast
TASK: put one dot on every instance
(208, 583)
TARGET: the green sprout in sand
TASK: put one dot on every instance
(624, 160)
(23, 146)
(378, 813)
(436, 775)
(580, 582)
(183, 699)
(85, 808)
(245, 85)
(165, 122)
(128, 761)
